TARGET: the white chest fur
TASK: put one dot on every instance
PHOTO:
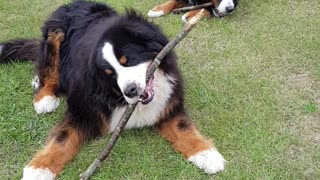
(147, 115)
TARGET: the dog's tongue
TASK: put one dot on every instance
(148, 93)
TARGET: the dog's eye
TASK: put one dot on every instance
(108, 71)
(123, 60)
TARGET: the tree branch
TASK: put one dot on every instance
(191, 8)
(129, 110)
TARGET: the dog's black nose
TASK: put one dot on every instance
(131, 90)
(229, 9)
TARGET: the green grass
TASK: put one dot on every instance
(252, 84)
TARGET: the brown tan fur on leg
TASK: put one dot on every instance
(51, 79)
(60, 148)
(189, 15)
(184, 136)
(168, 6)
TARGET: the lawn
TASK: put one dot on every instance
(252, 84)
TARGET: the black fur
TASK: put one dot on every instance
(184, 124)
(19, 50)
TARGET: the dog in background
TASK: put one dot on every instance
(221, 8)
(98, 59)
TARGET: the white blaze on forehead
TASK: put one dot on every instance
(108, 54)
(224, 4)
(126, 75)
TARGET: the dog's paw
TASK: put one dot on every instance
(153, 13)
(185, 18)
(211, 161)
(46, 104)
(30, 173)
(35, 83)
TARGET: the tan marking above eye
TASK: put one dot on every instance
(108, 71)
(123, 60)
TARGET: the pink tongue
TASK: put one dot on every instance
(148, 93)
(148, 97)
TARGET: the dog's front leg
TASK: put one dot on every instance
(62, 145)
(46, 99)
(165, 8)
(186, 139)
(189, 15)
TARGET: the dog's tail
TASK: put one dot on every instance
(19, 50)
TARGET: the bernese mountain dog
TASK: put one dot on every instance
(98, 59)
(221, 8)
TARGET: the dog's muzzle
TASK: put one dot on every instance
(134, 91)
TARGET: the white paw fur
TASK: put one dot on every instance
(30, 173)
(35, 83)
(211, 161)
(46, 104)
(154, 14)
(184, 18)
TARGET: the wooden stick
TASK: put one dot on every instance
(129, 110)
(114, 137)
(191, 8)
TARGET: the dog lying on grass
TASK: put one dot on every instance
(98, 59)
(221, 8)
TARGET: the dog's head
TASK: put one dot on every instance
(224, 7)
(126, 51)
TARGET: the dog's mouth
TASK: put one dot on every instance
(217, 13)
(147, 96)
